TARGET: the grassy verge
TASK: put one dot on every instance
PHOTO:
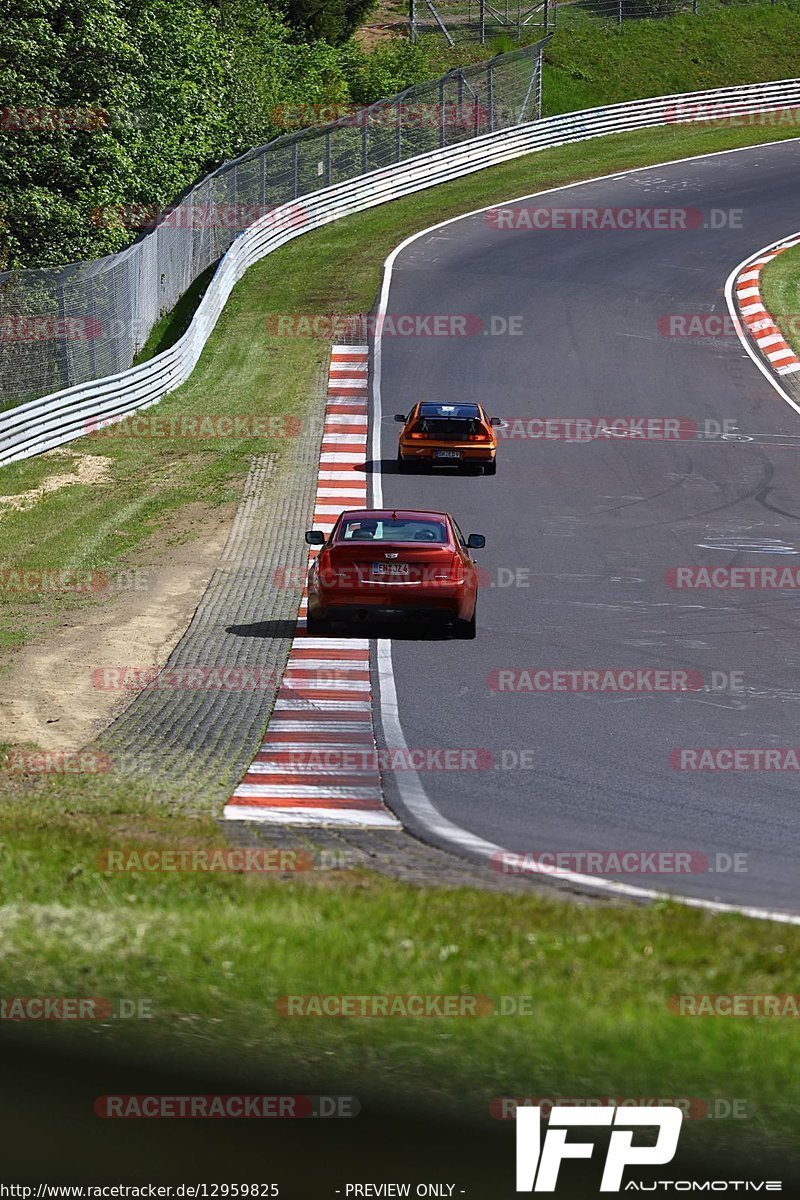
(592, 61)
(175, 323)
(595, 63)
(212, 953)
(780, 287)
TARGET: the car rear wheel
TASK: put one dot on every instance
(466, 630)
(403, 465)
(490, 468)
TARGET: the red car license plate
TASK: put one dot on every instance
(390, 568)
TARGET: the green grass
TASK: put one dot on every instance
(213, 952)
(780, 288)
(594, 63)
(175, 323)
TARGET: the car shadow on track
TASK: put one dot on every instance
(396, 631)
(390, 466)
(264, 629)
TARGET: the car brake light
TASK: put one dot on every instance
(457, 569)
(479, 437)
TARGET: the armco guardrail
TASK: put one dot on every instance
(66, 325)
(63, 416)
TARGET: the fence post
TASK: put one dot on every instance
(328, 158)
(619, 16)
(442, 138)
(295, 171)
(62, 353)
(91, 345)
(539, 72)
(490, 96)
(482, 5)
(412, 20)
(546, 14)
(364, 148)
(399, 141)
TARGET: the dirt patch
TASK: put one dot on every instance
(50, 698)
(388, 20)
(88, 469)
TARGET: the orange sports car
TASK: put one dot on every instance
(447, 435)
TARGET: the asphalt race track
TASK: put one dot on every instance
(596, 524)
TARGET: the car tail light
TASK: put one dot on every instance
(480, 437)
(457, 569)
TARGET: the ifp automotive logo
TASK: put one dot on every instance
(538, 1162)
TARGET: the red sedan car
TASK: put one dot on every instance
(386, 562)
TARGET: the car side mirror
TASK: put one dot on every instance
(476, 541)
(400, 417)
(315, 537)
(496, 421)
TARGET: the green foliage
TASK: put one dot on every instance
(63, 65)
(389, 68)
(113, 103)
(333, 20)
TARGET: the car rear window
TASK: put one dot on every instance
(449, 412)
(447, 420)
(396, 529)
